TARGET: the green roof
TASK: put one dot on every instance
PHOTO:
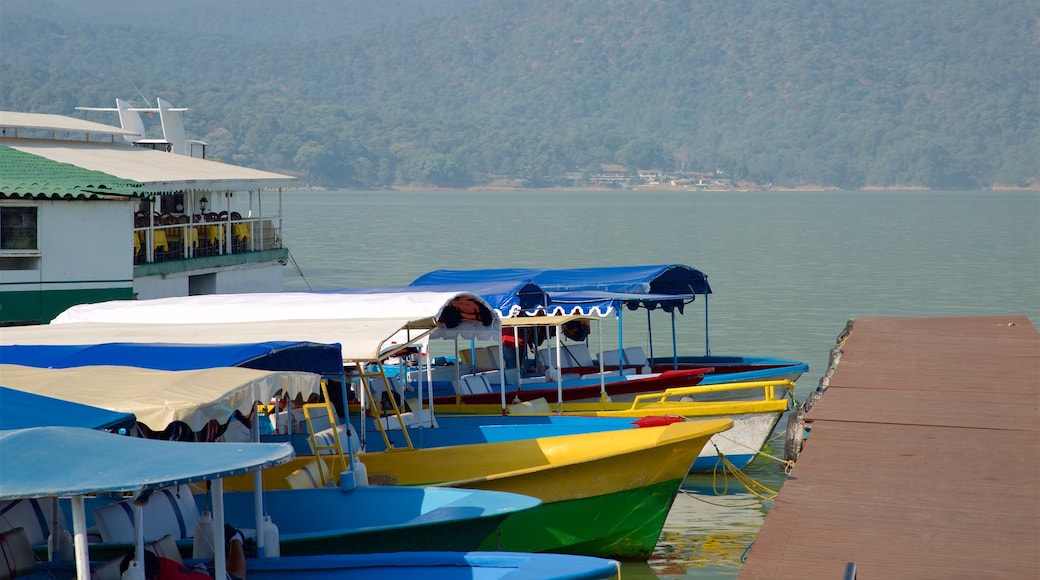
(24, 175)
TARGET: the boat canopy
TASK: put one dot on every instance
(590, 290)
(506, 298)
(360, 340)
(160, 398)
(21, 410)
(82, 461)
(323, 359)
(446, 314)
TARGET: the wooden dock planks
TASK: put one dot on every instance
(923, 459)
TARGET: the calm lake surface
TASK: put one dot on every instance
(787, 271)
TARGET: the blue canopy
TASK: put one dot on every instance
(21, 410)
(591, 290)
(68, 461)
(323, 359)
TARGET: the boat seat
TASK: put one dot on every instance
(299, 422)
(494, 378)
(378, 386)
(579, 354)
(32, 515)
(236, 432)
(308, 476)
(170, 510)
(16, 554)
(474, 384)
(487, 358)
(164, 547)
(326, 440)
(571, 355)
(634, 356)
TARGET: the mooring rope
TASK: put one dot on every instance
(296, 266)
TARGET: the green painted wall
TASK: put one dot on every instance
(39, 307)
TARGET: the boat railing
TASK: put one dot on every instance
(776, 390)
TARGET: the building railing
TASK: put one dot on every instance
(182, 237)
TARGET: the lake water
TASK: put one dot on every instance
(787, 270)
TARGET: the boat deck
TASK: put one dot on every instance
(922, 460)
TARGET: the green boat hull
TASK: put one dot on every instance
(464, 536)
(624, 525)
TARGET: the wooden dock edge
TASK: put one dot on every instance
(917, 456)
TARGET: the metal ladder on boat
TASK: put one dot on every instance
(379, 413)
(333, 449)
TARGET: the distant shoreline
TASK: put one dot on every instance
(749, 187)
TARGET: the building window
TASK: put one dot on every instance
(18, 228)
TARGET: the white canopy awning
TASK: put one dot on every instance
(248, 307)
(428, 310)
(361, 340)
(158, 398)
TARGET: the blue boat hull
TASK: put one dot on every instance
(435, 565)
(369, 519)
(472, 429)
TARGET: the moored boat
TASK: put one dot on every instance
(93, 462)
(602, 290)
(203, 402)
(645, 476)
(604, 494)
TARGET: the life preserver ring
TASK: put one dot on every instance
(467, 307)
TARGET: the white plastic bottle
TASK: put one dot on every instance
(60, 546)
(360, 473)
(272, 547)
(202, 545)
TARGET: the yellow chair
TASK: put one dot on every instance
(159, 240)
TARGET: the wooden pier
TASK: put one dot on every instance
(922, 458)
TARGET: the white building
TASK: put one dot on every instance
(87, 216)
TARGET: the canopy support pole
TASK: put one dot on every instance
(559, 370)
(675, 345)
(258, 486)
(219, 557)
(502, 371)
(602, 376)
(707, 345)
(429, 382)
(79, 528)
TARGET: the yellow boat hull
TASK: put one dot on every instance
(604, 494)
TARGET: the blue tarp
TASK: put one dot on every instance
(664, 286)
(21, 410)
(323, 359)
(65, 461)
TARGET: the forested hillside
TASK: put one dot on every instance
(373, 93)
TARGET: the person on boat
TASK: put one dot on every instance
(159, 568)
(576, 330)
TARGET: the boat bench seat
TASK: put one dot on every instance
(494, 378)
(164, 547)
(634, 356)
(32, 515)
(309, 476)
(168, 511)
(571, 355)
(474, 384)
(326, 440)
(16, 554)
